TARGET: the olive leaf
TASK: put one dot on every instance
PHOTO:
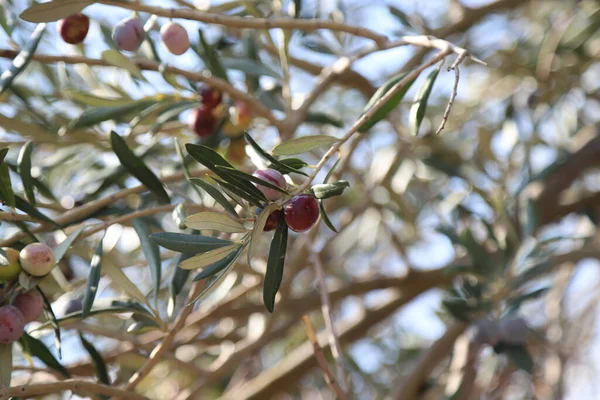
(275, 263)
(303, 144)
(214, 221)
(417, 111)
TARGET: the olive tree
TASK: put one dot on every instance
(256, 199)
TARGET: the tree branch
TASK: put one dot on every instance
(252, 23)
(73, 385)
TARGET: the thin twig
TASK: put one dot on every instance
(252, 23)
(334, 342)
(87, 209)
(255, 106)
(329, 377)
(369, 114)
(73, 385)
(455, 67)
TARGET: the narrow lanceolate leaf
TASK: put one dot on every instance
(326, 217)
(184, 243)
(303, 144)
(275, 262)
(212, 160)
(54, 10)
(3, 153)
(417, 111)
(51, 317)
(214, 221)
(116, 58)
(251, 178)
(5, 364)
(27, 208)
(249, 67)
(92, 281)
(208, 258)
(180, 277)
(6, 193)
(22, 59)
(93, 116)
(237, 194)
(258, 230)
(97, 360)
(120, 280)
(386, 108)
(327, 190)
(218, 266)
(323, 119)
(38, 349)
(215, 194)
(136, 167)
(280, 166)
(294, 163)
(212, 282)
(24, 169)
(61, 249)
(212, 58)
(151, 252)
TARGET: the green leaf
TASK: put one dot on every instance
(96, 101)
(93, 279)
(136, 167)
(3, 153)
(218, 266)
(27, 208)
(237, 194)
(214, 221)
(293, 163)
(24, 168)
(332, 170)
(251, 178)
(212, 160)
(177, 283)
(96, 115)
(327, 190)
(54, 10)
(22, 59)
(212, 58)
(323, 119)
(400, 15)
(209, 257)
(275, 263)
(183, 243)
(215, 194)
(303, 144)
(386, 108)
(151, 252)
(51, 317)
(5, 364)
(61, 249)
(212, 281)
(417, 111)
(122, 281)
(249, 67)
(520, 356)
(326, 217)
(38, 349)
(6, 193)
(276, 164)
(258, 230)
(97, 360)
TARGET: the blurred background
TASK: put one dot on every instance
(493, 219)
